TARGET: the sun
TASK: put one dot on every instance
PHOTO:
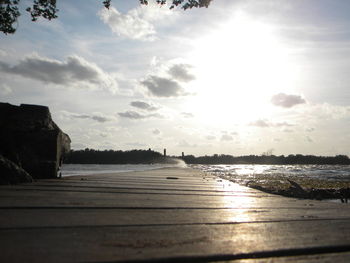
(239, 66)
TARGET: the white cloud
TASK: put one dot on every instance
(288, 130)
(137, 23)
(136, 144)
(185, 144)
(156, 132)
(326, 111)
(287, 101)
(309, 139)
(226, 137)
(187, 115)
(3, 53)
(5, 90)
(75, 71)
(282, 124)
(210, 137)
(261, 123)
(128, 25)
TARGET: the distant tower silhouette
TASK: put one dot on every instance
(183, 155)
(164, 152)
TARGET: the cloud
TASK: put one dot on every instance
(72, 72)
(282, 124)
(187, 114)
(226, 137)
(5, 90)
(185, 144)
(181, 72)
(309, 139)
(136, 144)
(287, 101)
(163, 87)
(288, 130)
(156, 132)
(260, 123)
(265, 124)
(137, 116)
(136, 23)
(131, 115)
(3, 53)
(210, 137)
(327, 111)
(144, 106)
(310, 129)
(99, 117)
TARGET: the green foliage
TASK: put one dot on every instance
(43, 8)
(268, 159)
(91, 156)
(8, 15)
(9, 10)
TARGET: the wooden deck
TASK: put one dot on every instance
(166, 215)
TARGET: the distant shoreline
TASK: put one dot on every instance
(91, 156)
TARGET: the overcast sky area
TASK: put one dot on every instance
(239, 77)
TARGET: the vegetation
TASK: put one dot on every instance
(90, 156)
(267, 159)
(9, 10)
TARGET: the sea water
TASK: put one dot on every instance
(245, 173)
(88, 169)
(241, 173)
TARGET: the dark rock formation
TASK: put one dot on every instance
(30, 139)
(11, 173)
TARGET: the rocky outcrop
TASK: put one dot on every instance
(11, 173)
(30, 138)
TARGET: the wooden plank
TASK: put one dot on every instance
(163, 242)
(326, 257)
(118, 217)
(121, 190)
(45, 218)
(83, 199)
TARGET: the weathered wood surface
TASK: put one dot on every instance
(173, 214)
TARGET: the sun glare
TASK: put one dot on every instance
(239, 67)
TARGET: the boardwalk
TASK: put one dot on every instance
(166, 215)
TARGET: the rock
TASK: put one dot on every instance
(30, 138)
(11, 173)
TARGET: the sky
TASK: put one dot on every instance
(239, 77)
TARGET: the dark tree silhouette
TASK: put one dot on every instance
(91, 156)
(9, 10)
(267, 159)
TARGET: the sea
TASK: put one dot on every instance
(88, 169)
(239, 173)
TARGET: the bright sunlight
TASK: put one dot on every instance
(239, 68)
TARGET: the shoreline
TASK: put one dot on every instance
(303, 188)
(287, 186)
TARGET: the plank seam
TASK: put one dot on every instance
(292, 252)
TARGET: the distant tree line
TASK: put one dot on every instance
(267, 159)
(91, 156)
